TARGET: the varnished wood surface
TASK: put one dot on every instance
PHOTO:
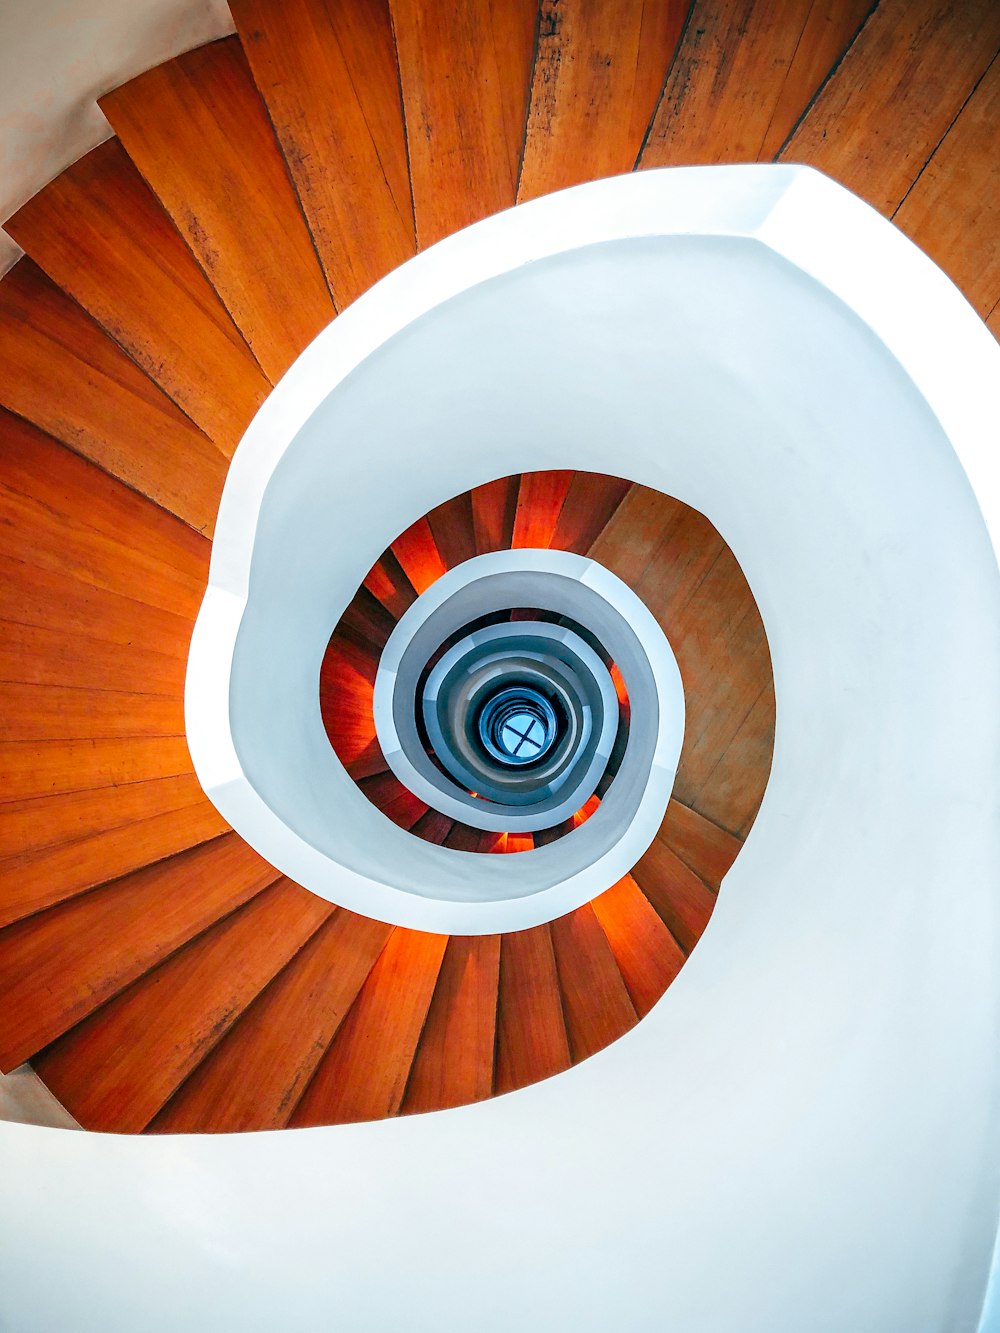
(99, 232)
(596, 1002)
(59, 966)
(387, 793)
(494, 506)
(327, 72)
(44, 768)
(254, 1077)
(452, 528)
(117, 1068)
(417, 553)
(540, 499)
(363, 1074)
(454, 1060)
(703, 847)
(57, 712)
(647, 955)
(590, 502)
(199, 133)
(895, 94)
(597, 77)
(388, 584)
(465, 73)
(59, 369)
(345, 699)
(682, 900)
(531, 1030)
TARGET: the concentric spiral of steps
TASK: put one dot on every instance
(155, 970)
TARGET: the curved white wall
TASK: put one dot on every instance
(802, 1137)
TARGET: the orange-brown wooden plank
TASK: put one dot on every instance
(891, 100)
(531, 1030)
(388, 584)
(363, 1074)
(61, 513)
(463, 838)
(37, 879)
(256, 1074)
(465, 71)
(598, 74)
(30, 655)
(417, 552)
(327, 72)
(704, 847)
(590, 503)
(540, 499)
(494, 506)
(634, 532)
(345, 700)
(387, 793)
(59, 966)
(993, 320)
(116, 1069)
(41, 768)
(683, 901)
(197, 130)
(953, 210)
(454, 1061)
(98, 231)
(46, 821)
(433, 827)
(53, 712)
(517, 842)
(59, 369)
(596, 1002)
(647, 955)
(366, 621)
(744, 72)
(452, 528)
(732, 791)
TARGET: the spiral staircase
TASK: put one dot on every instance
(158, 974)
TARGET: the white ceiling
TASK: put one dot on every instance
(57, 57)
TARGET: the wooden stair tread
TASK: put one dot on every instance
(597, 77)
(596, 1003)
(32, 655)
(590, 504)
(198, 132)
(345, 697)
(532, 1043)
(893, 97)
(116, 1069)
(60, 370)
(540, 498)
(61, 965)
(454, 1060)
(683, 901)
(433, 827)
(99, 233)
(453, 531)
(647, 954)
(363, 1074)
(734, 788)
(494, 506)
(328, 75)
(254, 1077)
(387, 793)
(388, 584)
(703, 847)
(627, 542)
(465, 74)
(58, 712)
(43, 768)
(418, 554)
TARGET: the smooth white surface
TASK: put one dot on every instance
(57, 57)
(802, 1137)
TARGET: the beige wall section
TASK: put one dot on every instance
(57, 57)
(26, 1100)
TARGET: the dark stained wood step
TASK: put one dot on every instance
(494, 506)
(591, 502)
(387, 793)
(388, 584)
(345, 698)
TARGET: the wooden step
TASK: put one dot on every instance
(328, 75)
(453, 1065)
(590, 504)
(703, 847)
(494, 507)
(683, 901)
(453, 531)
(363, 1074)
(744, 73)
(254, 1077)
(634, 532)
(116, 1069)
(432, 827)
(596, 1003)
(598, 75)
(55, 712)
(48, 768)
(735, 787)
(198, 131)
(893, 97)
(61, 965)
(540, 498)
(532, 1043)
(387, 793)
(465, 72)
(42, 657)
(60, 370)
(345, 700)
(388, 584)
(647, 954)
(418, 554)
(99, 233)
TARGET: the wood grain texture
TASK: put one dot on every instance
(59, 966)
(452, 528)
(735, 787)
(598, 73)
(327, 71)
(417, 552)
(744, 72)
(494, 506)
(116, 1069)
(345, 700)
(993, 321)
(531, 1030)
(60, 513)
(892, 99)
(953, 209)
(596, 1003)
(433, 827)
(387, 793)
(60, 370)
(99, 233)
(454, 1060)
(30, 655)
(540, 499)
(363, 1074)
(54, 712)
(465, 73)
(388, 584)
(590, 503)
(630, 538)
(647, 955)
(199, 134)
(703, 847)
(254, 1077)
(683, 902)
(366, 622)
(45, 768)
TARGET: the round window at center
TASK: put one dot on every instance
(518, 726)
